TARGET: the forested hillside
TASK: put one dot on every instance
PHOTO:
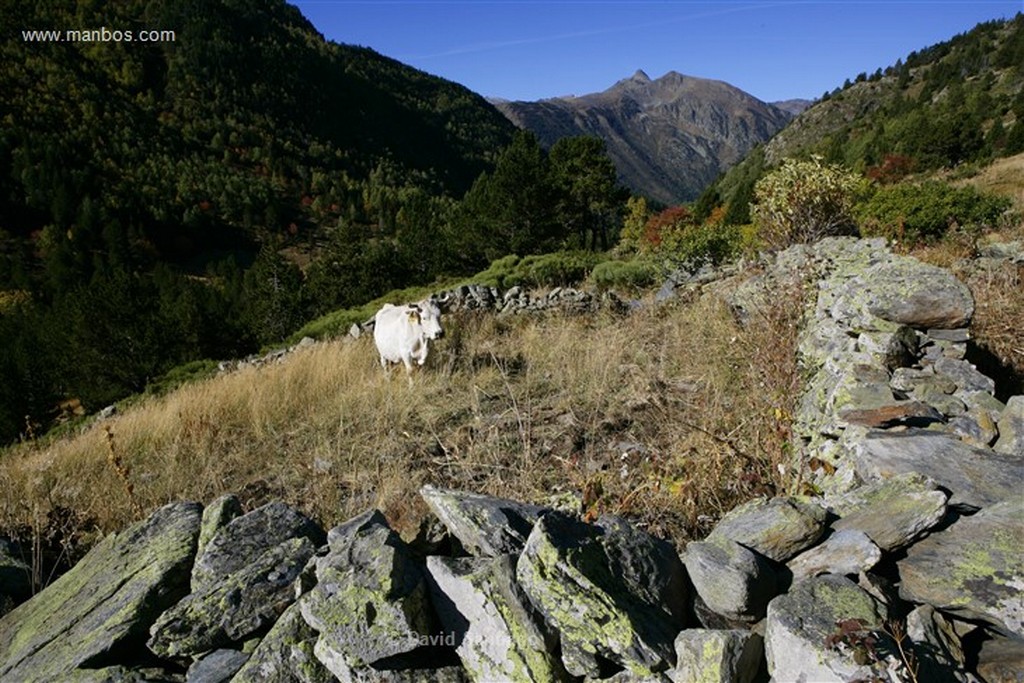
(956, 103)
(203, 195)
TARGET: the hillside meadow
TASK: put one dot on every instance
(670, 415)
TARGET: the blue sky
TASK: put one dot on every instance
(529, 50)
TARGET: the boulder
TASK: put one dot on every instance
(105, 602)
(778, 528)
(907, 292)
(714, 656)
(216, 667)
(975, 568)
(370, 600)
(240, 605)
(611, 591)
(976, 477)
(894, 512)
(216, 515)
(801, 623)
(1011, 428)
(732, 580)
(243, 539)
(483, 524)
(844, 552)
(497, 635)
(285, 654)
(964, 375)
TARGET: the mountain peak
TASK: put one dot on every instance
(640, 76)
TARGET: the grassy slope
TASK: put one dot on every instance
(524, 407)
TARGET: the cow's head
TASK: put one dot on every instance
(430, 319)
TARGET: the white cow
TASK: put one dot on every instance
(402, 332)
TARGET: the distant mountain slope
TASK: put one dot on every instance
(669, 137)
(959, 101)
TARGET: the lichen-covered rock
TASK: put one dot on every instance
(610, 591)
(844, 552)
(245, 538)
(964, 375)
(937, 648)
(285, 655)
(975, 568)
(216, 515)
(801, 621)
(1011, 428)
(485, 525)
(778, 528)
(106, 601)
(370, 601)
(119, 673)
(236, 607)
(498, 636)
(976, 477)
(714, 656)
(908, 292)
(216, 667)
(732, 580)
(892, 513)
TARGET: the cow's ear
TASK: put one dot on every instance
(414, 317)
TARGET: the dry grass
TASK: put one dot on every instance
(671, 416)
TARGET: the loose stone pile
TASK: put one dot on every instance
(915, 526)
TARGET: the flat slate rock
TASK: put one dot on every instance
(893, 513)
(612, 593)
(844, 552)
(243, 539)
(485, 525)
(240, 605)
(975, 568)
(976, 477)
(778, 528)
(489, 617)
(800, 622)
(285, 654)
(106, 601)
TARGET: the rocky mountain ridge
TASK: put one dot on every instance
(912, 526)
(669, 137)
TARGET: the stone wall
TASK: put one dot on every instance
(911, 523)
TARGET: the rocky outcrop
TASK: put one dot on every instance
(907, 540)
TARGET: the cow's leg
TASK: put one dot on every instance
(407, 360)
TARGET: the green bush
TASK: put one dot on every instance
(635, 274)
(924, 212)
(707, 242)
(556, 269)
(182, 374)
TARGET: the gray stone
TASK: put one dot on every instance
(937, 648)
(732, 580)
(498, 638)
(778, 528)
(892, 350)
(216, 515)
(285, 655)
(106, 601)
(609, 590)
(216, 667)
(238, 606)
(974, 569)
(1011, 428)
(1001, 660)
(893, 513)
(844, 552)
(370, 600)
(908, 292)
(905, 379)
(713, 656)
(976, 430)
(965, 375)
(800, 623)
(960, 334)
(977, 477)
(483, 524)
(243, 539)
(122, 674)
